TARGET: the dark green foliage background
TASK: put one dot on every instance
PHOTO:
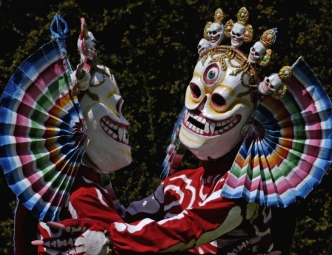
(151, 47)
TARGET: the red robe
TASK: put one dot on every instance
(186, 212)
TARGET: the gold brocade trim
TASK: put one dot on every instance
(280, 94)
(266, 59)
(248, 33)
(268, 38)
(285, 72)
(242, 94)
(222, 62)
(243, 16)
(228, 28)
(205, 32)
(227, 53)
(218, 16)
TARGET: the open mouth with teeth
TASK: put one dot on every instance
(265, 87)
(116, 130)
(236, 41)
(201, 50)
(253, 58)
(200, 125)
(215, 39)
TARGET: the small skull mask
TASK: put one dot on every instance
(256, 53)
(87, 47)
(270, 84)
(216, 33)
(203, 47)
(237, 35)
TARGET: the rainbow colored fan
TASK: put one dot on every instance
(42, 130)
(175, 150)
(289, 149)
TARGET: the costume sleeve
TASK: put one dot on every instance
(94, 203)
(192, 227)
(87, 201)
(149, 207)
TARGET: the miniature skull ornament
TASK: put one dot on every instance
(270, 84)
(216, 112)
(87, 47)
(216, 33)
(237, 35)
(106, 127)
(203, 46)
(256, 53)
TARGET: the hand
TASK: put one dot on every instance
(89, 237)
(241, 246)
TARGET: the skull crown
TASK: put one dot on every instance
(241, 32)
(273, 84)
(215, 30)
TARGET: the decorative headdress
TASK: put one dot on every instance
(273, 85)
(286, 148)
(268, 39)
(86, 43)
(214, 31)
(86, 70)
(242, 21)
(218, 18)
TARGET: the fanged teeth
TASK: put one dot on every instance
(117, 133)
(206, 127)
(202, 126)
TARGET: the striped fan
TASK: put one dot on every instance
(288, 150)
(42, 132)
(175, 151)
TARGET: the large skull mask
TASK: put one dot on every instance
(237, 35)
(256, 52)
(215, 113)
(108, 148)
(216, 33)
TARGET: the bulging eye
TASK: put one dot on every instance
(212, 74)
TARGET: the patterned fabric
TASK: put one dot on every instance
(186, 211)
(88, 199)
(288, 150)
(42, 132)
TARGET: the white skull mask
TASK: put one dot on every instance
(214, 118)
(216, 33)
(108, 148)
(270, 84)
(256, 52)
(203, 47)
(237, 35)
